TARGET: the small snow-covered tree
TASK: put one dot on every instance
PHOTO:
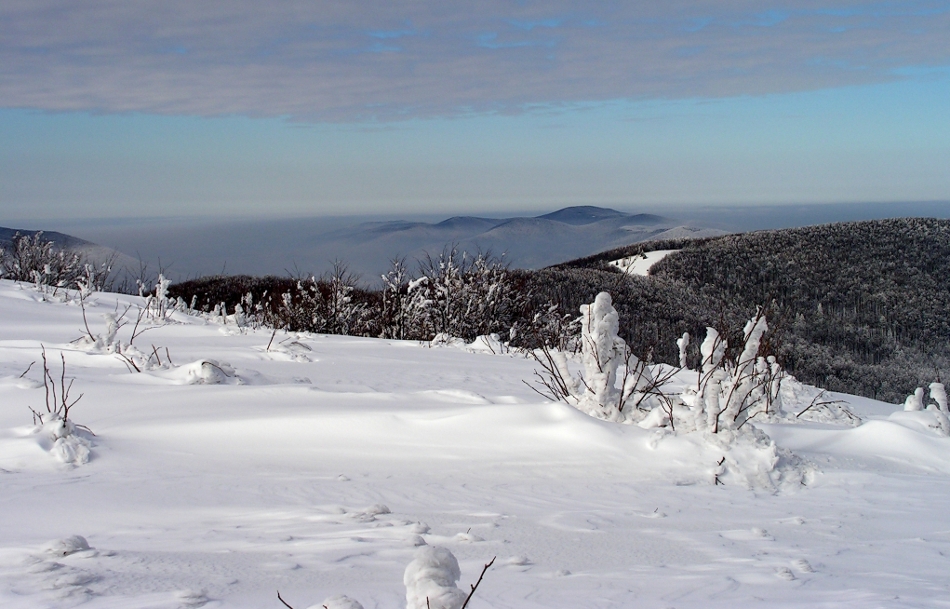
(341, 314)
(465, 296)
(395, 310)
(613, 383)
(939, 395)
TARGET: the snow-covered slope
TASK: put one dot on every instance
(641, 264)
(317, 466)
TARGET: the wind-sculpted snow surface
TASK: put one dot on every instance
(322, 476)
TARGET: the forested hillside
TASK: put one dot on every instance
(861, 307)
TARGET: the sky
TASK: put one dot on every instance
(131, 109)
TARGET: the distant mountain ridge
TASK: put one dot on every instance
(61, 240)
(525, 242)
(308, 246)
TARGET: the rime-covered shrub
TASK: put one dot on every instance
(37, 260)
(612, 383)
(464, 296)
(431, 580)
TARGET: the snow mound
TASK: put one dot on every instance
(20, 382)
(369, 514)
(68, 545)
(64, 441)
(799, 403)
(340, 601)
(202, 372)
(752, 460)
(431, 580)
(490, 344)
(925, 421)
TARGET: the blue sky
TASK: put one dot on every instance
(131, 109)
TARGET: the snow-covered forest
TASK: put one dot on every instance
(859, 307)
(355, 448)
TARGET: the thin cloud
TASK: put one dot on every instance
(344, 60)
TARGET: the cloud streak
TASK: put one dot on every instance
(356, 60)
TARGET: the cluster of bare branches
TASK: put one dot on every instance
(58, 401)
(134, 359)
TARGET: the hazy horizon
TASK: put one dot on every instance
(188, 247)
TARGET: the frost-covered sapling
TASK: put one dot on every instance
(939, 395)
(613, 384)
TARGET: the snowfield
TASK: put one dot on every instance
(642, 263)
(326, 465)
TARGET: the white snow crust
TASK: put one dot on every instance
(347, 471)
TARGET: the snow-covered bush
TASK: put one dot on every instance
(713, 404)
(463, 296)
(613, 383)
(431, 580)
(730, 392)
(342, 314)
(68, 442)
(550, 327)
(37, 260)
(932, 416)
(938, 395)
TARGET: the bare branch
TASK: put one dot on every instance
(475, 585)
(283, 601)
(27, 369)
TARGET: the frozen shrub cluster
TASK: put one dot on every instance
(934, 415)
(731, 384)
(454, 294)
(37, 260)
(716, 401)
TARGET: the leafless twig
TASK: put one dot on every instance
(475, 585)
